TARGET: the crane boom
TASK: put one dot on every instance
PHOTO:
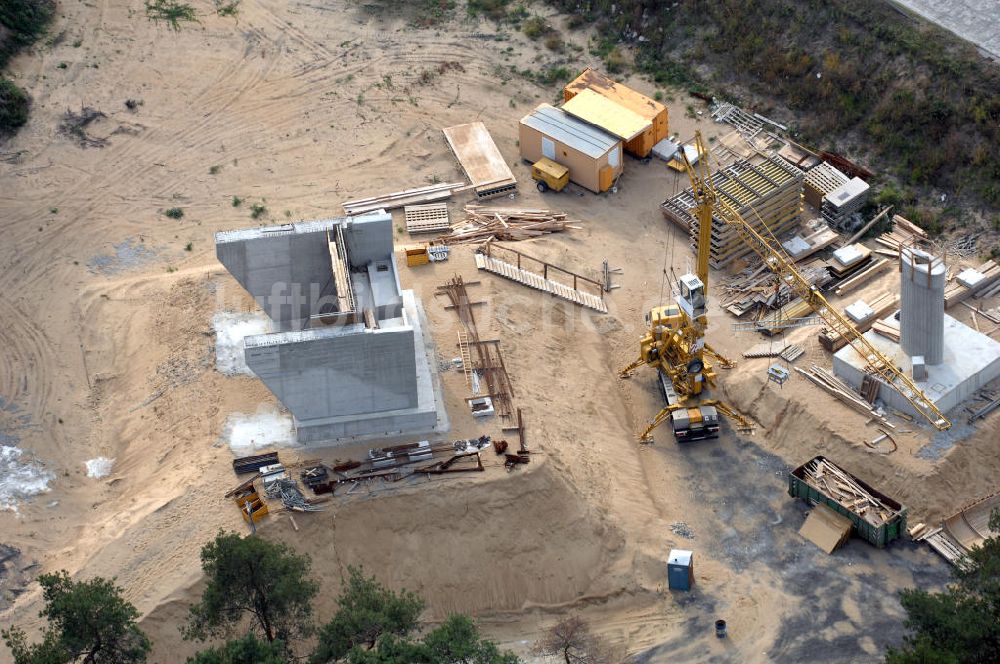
(779, 263)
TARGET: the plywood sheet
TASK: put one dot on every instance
(479, 156)
(825, 528)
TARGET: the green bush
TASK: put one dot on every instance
(173, 213)
(494, 9)
(13, 107)
(535, 27)
(25, 21)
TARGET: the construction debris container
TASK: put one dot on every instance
(635, 131)
(623, 95)
(877, 535)
(585, 150)
(680, 569)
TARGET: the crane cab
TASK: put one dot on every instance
(692, 296)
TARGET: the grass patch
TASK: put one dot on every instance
(171, 12)
(227, 7)
(535, 27)
(237, 201)
(257, 211)
(215, 170)
(173, 213)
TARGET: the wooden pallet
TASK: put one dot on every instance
(538, 282)
(431, 218)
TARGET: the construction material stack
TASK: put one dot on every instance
(822, 180)
(841, 205)
(768, 194)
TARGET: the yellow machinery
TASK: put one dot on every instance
(674, 343)
(549, 175)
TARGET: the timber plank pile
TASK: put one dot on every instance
(903, 233)
(832, 385)
(508, 224)
(881, 306)
(957, 292)
(430, 194)
(754, 288)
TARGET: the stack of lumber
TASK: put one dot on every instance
(753, 288)
(429, 194)
(485, 224)
(881, 307)
(771, 323)
(841, 486)
(955, 292)
(767, 194)
(888, 328)
(829, 383)
(904, 232)
(875, 268)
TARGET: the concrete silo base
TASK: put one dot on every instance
(971, 360)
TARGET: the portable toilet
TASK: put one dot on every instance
(680, 569)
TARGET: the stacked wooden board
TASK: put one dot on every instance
(767, 194)
(881, 307)
(956, 292)
(432, 218)
(820, 181)
(505, 223)
(429, 194)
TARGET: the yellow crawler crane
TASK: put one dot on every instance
(675, 344)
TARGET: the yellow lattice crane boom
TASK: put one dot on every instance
(778, 262)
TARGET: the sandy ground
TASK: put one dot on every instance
(108, 351)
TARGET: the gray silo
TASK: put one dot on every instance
(921, 317)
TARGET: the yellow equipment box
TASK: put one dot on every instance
(549, 175)
(417, 255)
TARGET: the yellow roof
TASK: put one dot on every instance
(610, 116)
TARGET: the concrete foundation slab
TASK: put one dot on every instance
(970, 361)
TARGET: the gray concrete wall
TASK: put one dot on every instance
(337, 371)
(287, 268)
(369, 238)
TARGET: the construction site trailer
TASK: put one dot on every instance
(652, 110)
(879, 535)
(593, 157)
(635, 131)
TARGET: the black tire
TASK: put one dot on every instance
(542, 187)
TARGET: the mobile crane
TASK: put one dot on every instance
(674, 342)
